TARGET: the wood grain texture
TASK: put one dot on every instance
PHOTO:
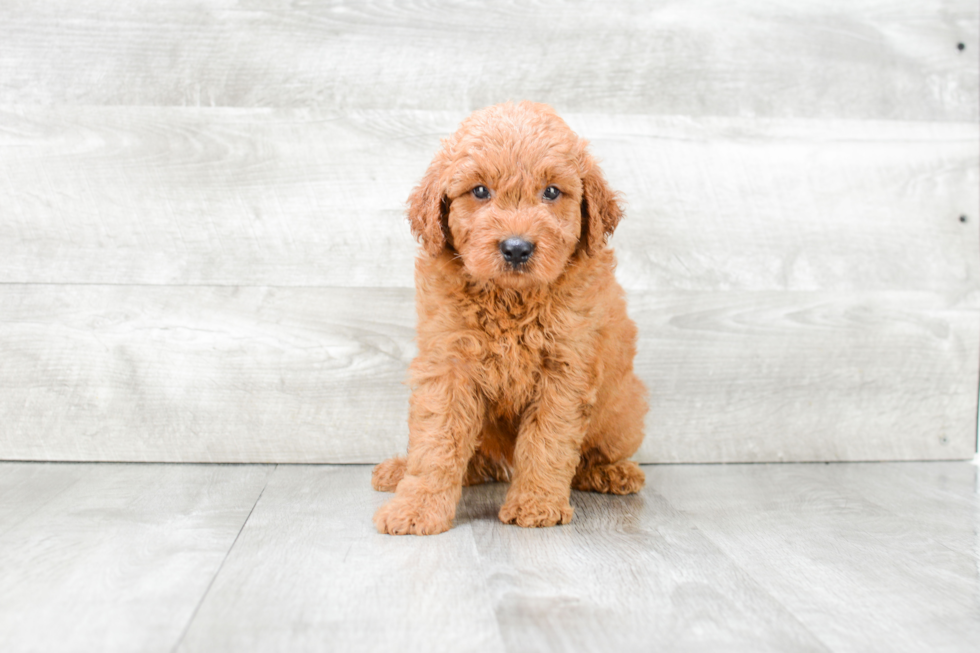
(315, 374)
(865, 574)
(26, 489)
(733, 558)
(193, 374)
(705, 558)
(775, 376)
(895, 60)
(931, 499)
(262, 197)
(310, 573)
(114, 557)
(628, 574)
(204, 256)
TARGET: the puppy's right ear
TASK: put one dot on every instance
(428, 208)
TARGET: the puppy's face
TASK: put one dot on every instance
(515, 195)
(515, 206)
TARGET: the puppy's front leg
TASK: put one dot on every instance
(445, 415)
(545, 457)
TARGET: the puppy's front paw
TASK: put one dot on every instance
(398, 517)
(533, 512)
(417, 509)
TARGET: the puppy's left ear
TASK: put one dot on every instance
(601, 208)
(428, 208)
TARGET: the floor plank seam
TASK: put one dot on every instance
(217, 572)
(750, 578)
(484, 564)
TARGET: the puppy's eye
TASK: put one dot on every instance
(481, 192)
(551, 193)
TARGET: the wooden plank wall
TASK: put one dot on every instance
(204, 257)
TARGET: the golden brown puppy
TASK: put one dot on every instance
(525, 365)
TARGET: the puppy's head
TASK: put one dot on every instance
(516, 195)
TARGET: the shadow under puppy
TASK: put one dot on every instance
(525, 364)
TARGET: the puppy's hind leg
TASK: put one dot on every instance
(486, 469)
(595, 475)
(615, 434)
(386, 475)
(491, 460)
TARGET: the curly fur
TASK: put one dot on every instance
(524, 373)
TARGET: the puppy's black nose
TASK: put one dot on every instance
(516, 251)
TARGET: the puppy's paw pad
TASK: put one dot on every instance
(386, 475)
(535, 513)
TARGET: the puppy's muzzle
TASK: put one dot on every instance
(516, 251)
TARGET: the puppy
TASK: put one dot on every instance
(525, 364)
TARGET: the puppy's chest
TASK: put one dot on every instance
(516, 349)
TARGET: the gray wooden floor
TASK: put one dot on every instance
(808, 557)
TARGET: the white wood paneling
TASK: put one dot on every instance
(256, 197)
(149, 195)
(204, 374)
(204, 256)
(808, 376)
(888, 59)
(114, 558)
(315, 374)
